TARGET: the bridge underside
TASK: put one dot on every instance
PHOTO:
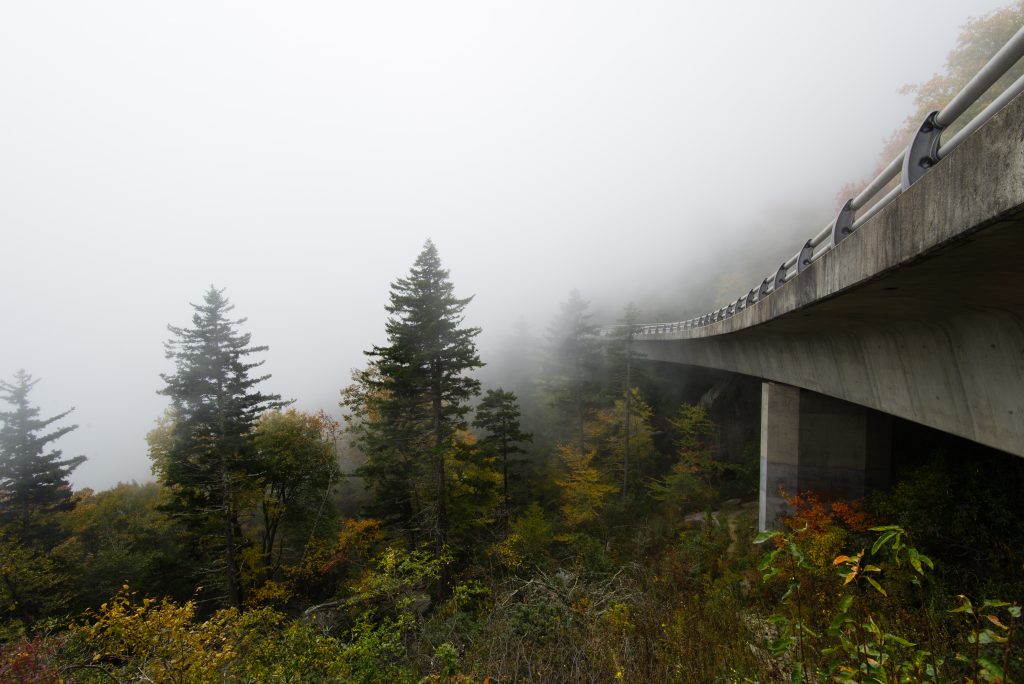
(939, 342)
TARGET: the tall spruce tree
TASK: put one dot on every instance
(33, 481)
(419, 394)
(208, 461)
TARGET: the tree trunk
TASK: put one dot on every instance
(234, 579)
(504, 478)
(629, 420)
(442, 483)
(579, 405)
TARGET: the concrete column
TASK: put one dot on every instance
(813, 442)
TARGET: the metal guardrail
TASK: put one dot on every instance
(924, 151)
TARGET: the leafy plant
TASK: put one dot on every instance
(787, 561)
(991, 628)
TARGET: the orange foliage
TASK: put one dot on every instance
(822, 527)
(814, 514)
(356, 538)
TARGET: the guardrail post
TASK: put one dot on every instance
(804, 260)
(842, 226)
(780, 276)
(922, 152)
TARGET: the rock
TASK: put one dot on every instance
(698, 519)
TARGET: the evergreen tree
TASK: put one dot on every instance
(621, 376)
(208, 459)
(389, 468)
(419, 393)
(498, 414)
(517, 368)
(689, 486)
(572, 368)
(33, 481)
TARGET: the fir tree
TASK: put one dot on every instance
(621, 374)
(498, 414)
(572, 368)
(419, 394)
(208, 458)
(33, 481)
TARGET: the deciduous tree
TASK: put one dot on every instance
(297, 467)
(584, 490)
(623, 437)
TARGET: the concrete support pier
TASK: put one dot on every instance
(810, 441)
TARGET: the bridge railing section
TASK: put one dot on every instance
(924, 151)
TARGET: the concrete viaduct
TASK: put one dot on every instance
(919, 313)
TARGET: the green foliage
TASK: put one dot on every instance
(969, 526)
(121, 536)
(498, 415)
(689, 485)
(32, 586)
(474, 488)
(622, 436)
(990, 631)
(296, 468)
(786, 561)
(447, 658)
(398, 584)
(863, 643)
(159, 640)
(529, 540)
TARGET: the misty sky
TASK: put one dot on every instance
(300, 154)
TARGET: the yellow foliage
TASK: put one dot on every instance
(162, 638)
(617, 617)
(508, 552)
(584, 490)
(272, 592)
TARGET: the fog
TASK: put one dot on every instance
(299, 154)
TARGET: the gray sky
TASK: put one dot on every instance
(299, 154)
